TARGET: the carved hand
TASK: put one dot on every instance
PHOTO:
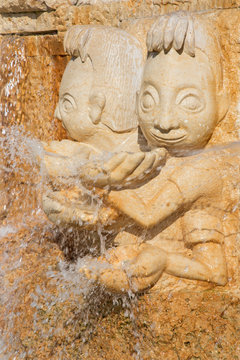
(68, 161)
(66, 208)
(64, 159)
(134, 267)
(72, 207)
(126, 168)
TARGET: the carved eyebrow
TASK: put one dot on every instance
(66, 94)
(182, 93)
(186, 88)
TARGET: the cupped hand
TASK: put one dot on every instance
(134, 267)
(126, 168)
(74, 207)
(68, 208)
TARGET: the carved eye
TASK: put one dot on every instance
(191, 103)
(67, 103)
(149, 99)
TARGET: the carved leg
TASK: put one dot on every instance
(207, 263)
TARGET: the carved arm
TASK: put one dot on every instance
(183, 187)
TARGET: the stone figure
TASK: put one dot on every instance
(175, 223)
(181, 100)
(97, 106)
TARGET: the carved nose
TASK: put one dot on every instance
(165, 124)
(57, 113)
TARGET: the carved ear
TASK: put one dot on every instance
(97, 103)
(223, 101)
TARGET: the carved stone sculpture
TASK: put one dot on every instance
(186, 219)
(97, 106)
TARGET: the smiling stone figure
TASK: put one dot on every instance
(182, 97)
(183, 210)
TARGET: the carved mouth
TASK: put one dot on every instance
(170, 138)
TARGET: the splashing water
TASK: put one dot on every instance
(61, 302)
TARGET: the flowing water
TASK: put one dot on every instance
(50, 301)
(26, 231)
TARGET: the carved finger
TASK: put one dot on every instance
(68, 40)
(139, 284)
(126, 168)
(151, 163)
(95, 174)
(189, 46)
(180, 33)
(144, 168)
(169, 31)
(115, 161)
(158, 33)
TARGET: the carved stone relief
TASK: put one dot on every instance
(140, 241)
(167, 195)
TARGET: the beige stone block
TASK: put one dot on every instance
(193, 5)
(20, 6)
(16, 6)
(27, 23)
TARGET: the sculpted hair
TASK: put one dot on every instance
(186, 33)
(117, 61)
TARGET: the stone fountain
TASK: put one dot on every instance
(120, 180)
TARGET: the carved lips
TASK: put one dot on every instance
(173, 136)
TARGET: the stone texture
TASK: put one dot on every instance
(25, 23)
(21, 6)
(16, 6)
(20, 17)
(184, 324)
(31, 69)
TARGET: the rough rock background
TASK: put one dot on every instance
(44, 314)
